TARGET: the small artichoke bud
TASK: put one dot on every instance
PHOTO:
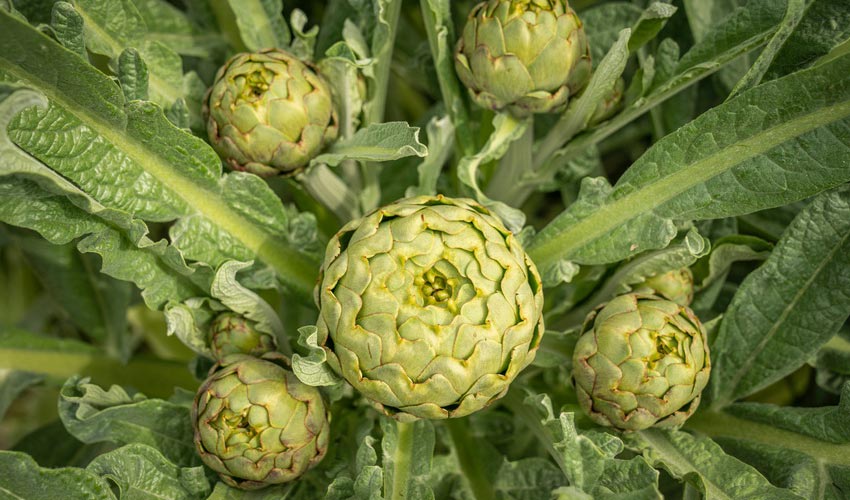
(524, 56)
(641, 361)
(676, 285)
(269, 113)
(256, 424)
(429, 307)
(231, 333)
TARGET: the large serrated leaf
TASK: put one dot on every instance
(703, 464)
(140, 144)
(95, 415)
(777, 143)
(141, 471)
(37, 198)
(23, 478)
(794, 303)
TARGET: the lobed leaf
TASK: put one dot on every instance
(23, 478)
(94, 415)
(777, 143)
(140, 471)
(165, 173)
(703, 464)
(794, 303)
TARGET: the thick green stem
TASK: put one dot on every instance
(378, 102)
(719, 424)
(506, 184)
(153, 377)
(514, 401)
(565, 129)
(450, 88)
(559, 137)
(330, 191)
(370, 196)
(401, 461)
(226, 20)
(349, 169)
(559, 141)
(471, 467)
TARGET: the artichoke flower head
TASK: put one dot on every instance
(231, 333)
(256, 424)
(676, 285)
(523, 56)
(641, 361)
(429, 307)
(269, 113)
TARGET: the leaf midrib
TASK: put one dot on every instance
(647, 198)
(774, 330)
(721, 424)
(293, 268)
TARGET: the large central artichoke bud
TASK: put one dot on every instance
(256, 424)
(429, 307)
(269, 113)
(526, 56)
(641, 361)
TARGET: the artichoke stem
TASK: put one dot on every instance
(351, 174)
(378, 102)
(479, 483)
(329, 190)
(450, 88)
(402, 459)
(507, 183)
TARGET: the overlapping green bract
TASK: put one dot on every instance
(269, 113)
(256, 424)
(524, 56)
(231, 333)
(429, 307)
(641, 361)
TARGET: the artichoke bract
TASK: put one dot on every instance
(676, 285)
(269, 113)
(524, 56)
(231, 333)
(641, 361)
(256, 424)
(429, 307)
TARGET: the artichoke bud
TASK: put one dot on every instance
(641, 361)
(429, 307)
(256, 424)
(676, 285)
(523, 56)
(231, 333)
(269, 113)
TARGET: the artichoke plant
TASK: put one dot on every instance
(429, 307)
(641, 361)
(676, 285)
(256, 424)
(524, 56)
(231, 333)
(269, 113)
